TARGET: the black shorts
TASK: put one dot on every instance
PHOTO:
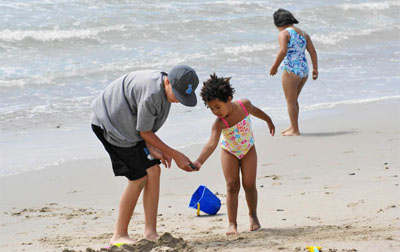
(130, 162)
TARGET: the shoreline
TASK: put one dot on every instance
(336, 186)
(76, 142)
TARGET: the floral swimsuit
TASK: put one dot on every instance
(295, 60)
(238, 139)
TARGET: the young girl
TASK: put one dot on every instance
(238, 153)
(293, 42)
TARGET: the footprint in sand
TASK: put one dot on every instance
(274, 177)
(390, 207)
(266, 164)
(354, 204)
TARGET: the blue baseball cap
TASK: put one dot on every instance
(184, 82)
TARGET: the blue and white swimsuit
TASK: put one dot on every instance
(295, 60)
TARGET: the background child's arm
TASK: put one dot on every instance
(314, 59)
(210, 146)
(255, 111)
(283, 40)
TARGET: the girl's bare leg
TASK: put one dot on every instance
(150, 202)
(249, 176)
(292, 85)
(230, 167)
(299, 88)
(126, 206)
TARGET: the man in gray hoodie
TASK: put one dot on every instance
(125, 117)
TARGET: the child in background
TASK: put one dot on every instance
(293, 42)
(238, 153)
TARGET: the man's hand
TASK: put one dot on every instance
(197, 165)
(164, 152)
(183, 162)
(165, 160)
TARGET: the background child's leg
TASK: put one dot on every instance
(126, 206)
(299, 88)
(290, 85)
(230, 167)
(249, 176)
(150, 202)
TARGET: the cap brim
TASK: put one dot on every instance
(189, 100)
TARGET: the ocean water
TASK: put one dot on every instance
(56, 56)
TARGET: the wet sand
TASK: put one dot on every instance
(336, 186)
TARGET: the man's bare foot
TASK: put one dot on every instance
(254, 223)
(291, 133)
(121, 239)
(290, 128)
(232, 229)
(151, 236)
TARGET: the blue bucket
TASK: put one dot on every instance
(209, 203)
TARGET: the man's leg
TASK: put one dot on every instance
(150, 202)
(126, 206)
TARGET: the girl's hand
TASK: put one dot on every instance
(271, 127)
(314, 74)
(273, 70)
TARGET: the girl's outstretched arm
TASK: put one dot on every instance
(283, 39)
(255, 111)
(313, 54)
(212, 143)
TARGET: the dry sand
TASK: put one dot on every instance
(336, 186)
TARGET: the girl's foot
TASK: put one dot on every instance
(254, 223)
(291, 133)
(121, 239)
(232, 229)
(283, 132)
(151, 236)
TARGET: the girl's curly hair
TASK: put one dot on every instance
(216, 88)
